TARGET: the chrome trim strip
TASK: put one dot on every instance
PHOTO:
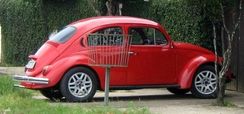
(31, 79)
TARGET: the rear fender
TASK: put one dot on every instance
(59, 68)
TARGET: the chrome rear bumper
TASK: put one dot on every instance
(33, 80)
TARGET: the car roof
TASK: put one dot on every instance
(106, 20)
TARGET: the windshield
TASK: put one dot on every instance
(63, 35)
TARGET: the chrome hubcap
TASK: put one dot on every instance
(206, 82)
(80, 84)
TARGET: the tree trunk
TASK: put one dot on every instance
(92, 4)
(113, 8)
(231, 32)
(221, 91)
(109, 6)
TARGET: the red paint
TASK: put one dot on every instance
(173, 63)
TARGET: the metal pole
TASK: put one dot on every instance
(107, 78)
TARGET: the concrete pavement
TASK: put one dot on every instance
(160, 101)
(12, 70)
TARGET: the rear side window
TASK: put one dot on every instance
(63, 35)
(106, 37)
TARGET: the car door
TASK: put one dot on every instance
(117, 74)
(151, 60)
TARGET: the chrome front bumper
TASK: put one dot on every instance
(33, 80)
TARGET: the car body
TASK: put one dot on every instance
(178, 66)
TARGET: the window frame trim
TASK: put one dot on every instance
(149, 26)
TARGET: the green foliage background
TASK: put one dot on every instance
(27, 23)
(181, 18)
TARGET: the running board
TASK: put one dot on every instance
(142, 87)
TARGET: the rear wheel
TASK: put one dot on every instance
(205, 83)
(178, 91)
(78, 84)
(52, 94)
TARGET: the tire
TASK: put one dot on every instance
(204, 83)
(178, 91)
(79, 84)
(52, 94)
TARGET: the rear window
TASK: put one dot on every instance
(63, 35)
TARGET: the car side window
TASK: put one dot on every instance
(63, 35)
(106, 36)
(146, 36)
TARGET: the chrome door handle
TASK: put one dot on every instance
(131, 53)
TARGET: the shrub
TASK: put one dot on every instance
(27, 23)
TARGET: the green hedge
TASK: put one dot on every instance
(180, 19)
(27, 23)
(184, 20)
(22, 30)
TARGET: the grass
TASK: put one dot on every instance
(19, 101)
(229, 104)
(226, 104)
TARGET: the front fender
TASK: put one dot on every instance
(188, 71)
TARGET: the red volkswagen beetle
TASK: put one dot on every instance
(60, 69)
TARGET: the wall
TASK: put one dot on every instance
(240, 76)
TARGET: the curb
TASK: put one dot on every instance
(12, 70)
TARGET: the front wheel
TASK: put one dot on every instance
(78, 84)
(205, 83)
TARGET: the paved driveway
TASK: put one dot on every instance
(160, 101)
